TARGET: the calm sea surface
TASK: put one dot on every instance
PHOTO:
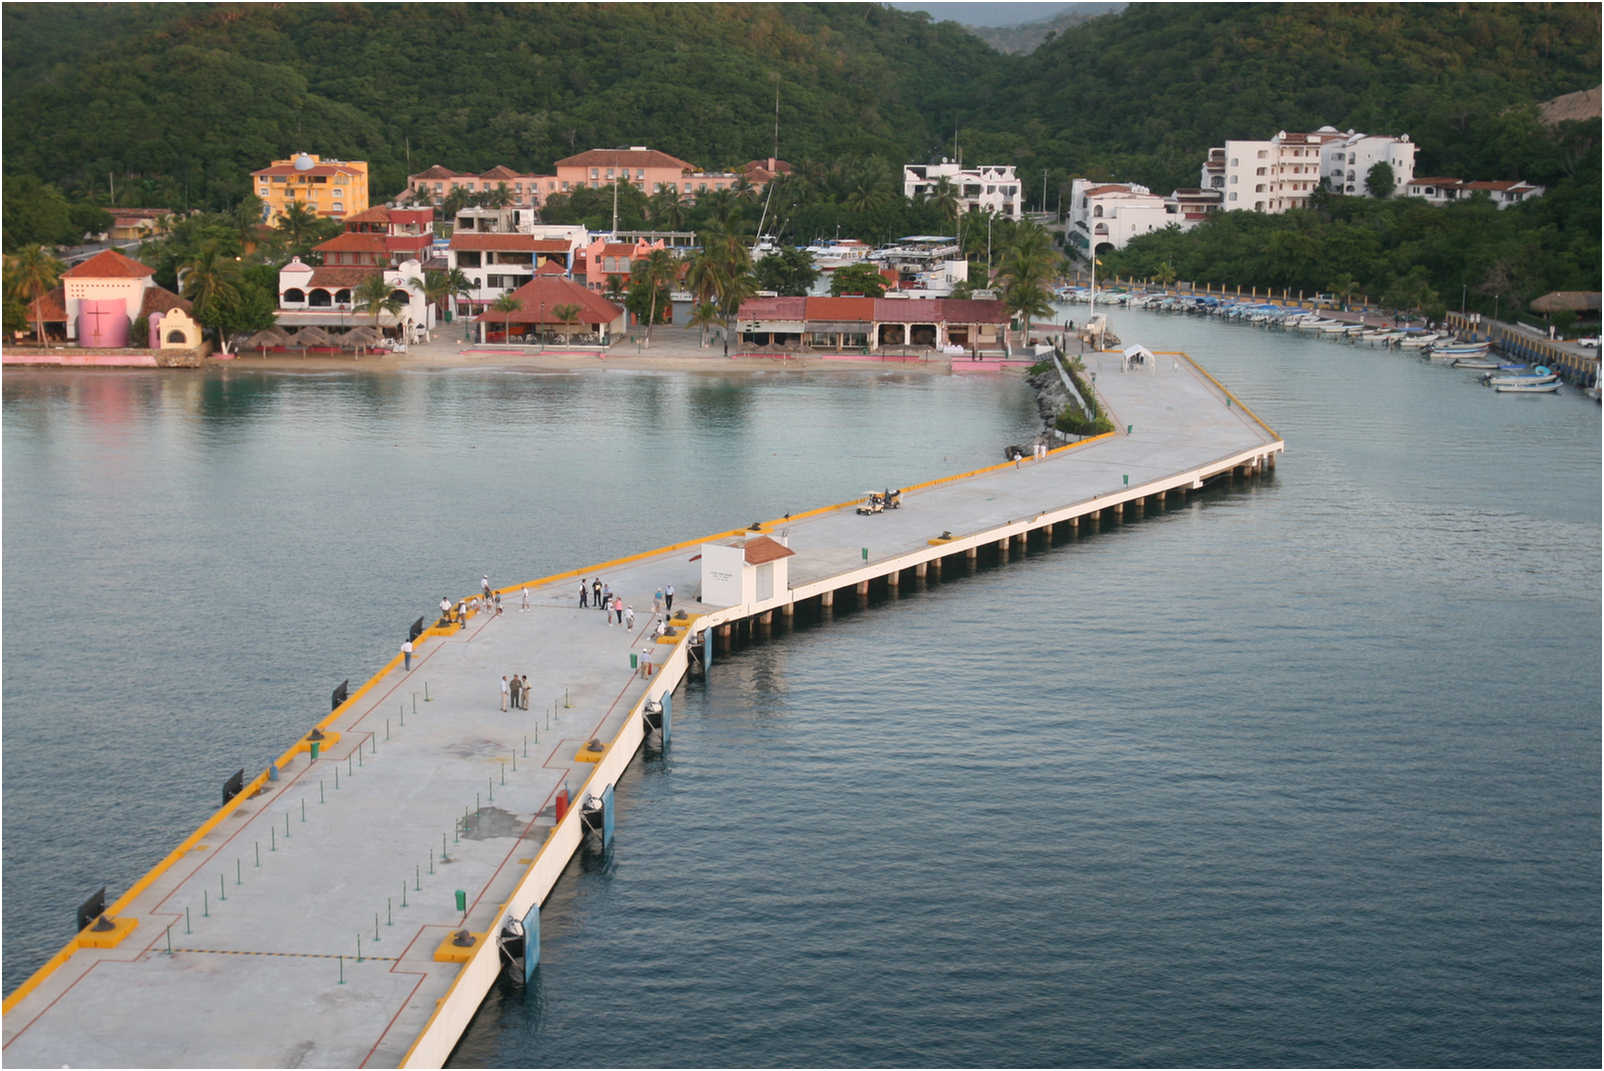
(1303, 773)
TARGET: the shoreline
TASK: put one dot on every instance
(670, 355)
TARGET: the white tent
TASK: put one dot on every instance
(1136, 356)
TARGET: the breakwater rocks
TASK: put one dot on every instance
(1051, 396)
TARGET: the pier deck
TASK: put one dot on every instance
(268, 906)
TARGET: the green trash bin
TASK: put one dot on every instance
(316, 744)
(462, 900)
(634, 660)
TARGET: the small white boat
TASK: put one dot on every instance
(1417, 342)
(1547, 387)
(1476, 364)
(1385, 336)
(1535, 377)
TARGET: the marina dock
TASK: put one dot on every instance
(343, 907)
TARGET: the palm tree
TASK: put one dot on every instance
(655, 271)
(667, 209)
(500, 197)
(376, 296)
(211, 281)
(703, 316)
(299, 223)
(244, 219)
(31, 273)
(569, 315)
(614, 289)
(944, 196)
(508, 304)
(439, 287)
(1029, 265)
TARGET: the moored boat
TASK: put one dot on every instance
(1546, 387)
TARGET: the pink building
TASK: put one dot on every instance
(648, 170)
(108, 302)
(526, 189)
(602, 260)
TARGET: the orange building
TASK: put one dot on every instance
(334, 188)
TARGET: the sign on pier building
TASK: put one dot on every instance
(745, 571)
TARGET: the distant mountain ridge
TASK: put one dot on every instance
(1024, 38)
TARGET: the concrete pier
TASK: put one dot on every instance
(431, 812)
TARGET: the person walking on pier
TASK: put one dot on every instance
(629, 618)
(584, 594)
(484, 585)
(525, 606)
(506, 690)
(668, 599)
(618, 608)
(657, 601)
(517, 691)
(607, 598)
(445, 608)
(406, 656)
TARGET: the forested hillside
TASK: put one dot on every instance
(1141, 96)
(194, 97)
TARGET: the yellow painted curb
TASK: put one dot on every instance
(446, 952)
(111, 938)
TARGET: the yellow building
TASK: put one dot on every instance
(335, 188)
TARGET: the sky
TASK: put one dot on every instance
(989, 14)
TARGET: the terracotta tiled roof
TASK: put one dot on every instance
(760, 549)
(841, 308)
(341, 278)
(501, 171)
(522, 243)
(376, 214)
(108, 264)
(436, 172)
(969, 311)
(325, 170)
(161, 299)
(51, 307)
(551, 267)
(774, 308)
(552, 245)
(539, 297)
(618, 249)
(1433, 182)
(353, 243)
(625, 158)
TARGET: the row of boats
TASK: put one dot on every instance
(1436, 346)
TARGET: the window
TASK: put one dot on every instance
(1233, 180)
(595, 173)
(1263, 153)
(1233, 161)
(640, 173)
(1233, 195)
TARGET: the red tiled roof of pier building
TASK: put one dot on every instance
(352, 242)
(761, 549)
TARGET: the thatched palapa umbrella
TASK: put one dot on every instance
(272, 336)
(360, 338)
(312, 336)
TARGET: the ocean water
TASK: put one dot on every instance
(1304, 772)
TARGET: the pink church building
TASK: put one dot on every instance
(102, 296)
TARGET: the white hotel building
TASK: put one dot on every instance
(992, 187)
(1106, 215)
(1281, 173)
